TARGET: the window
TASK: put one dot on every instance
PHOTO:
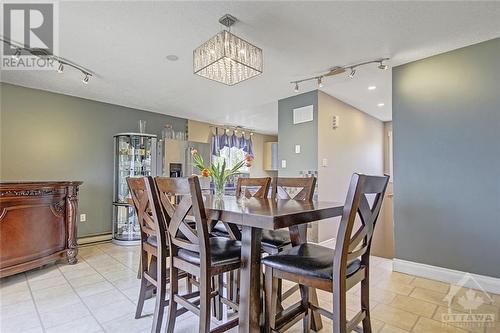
(232, 156)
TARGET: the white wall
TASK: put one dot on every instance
(357, 145)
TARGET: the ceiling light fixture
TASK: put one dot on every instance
(17, 54)
(382, 66)
(47, 55)
(342, 69)
(320, 82)
(172, 57)
(353, 72)
(380, 105)
(226, 58)
(372, 88)
(86, 78)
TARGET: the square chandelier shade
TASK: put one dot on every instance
(228, 59)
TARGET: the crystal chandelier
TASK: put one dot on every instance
(226, 58)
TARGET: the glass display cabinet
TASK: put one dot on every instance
(135, 156)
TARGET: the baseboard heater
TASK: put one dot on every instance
(94, 239)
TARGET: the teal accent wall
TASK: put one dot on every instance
(446, 130)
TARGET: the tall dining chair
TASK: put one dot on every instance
(153, 272)
(333, 270)
(245, 187)
(192, 251)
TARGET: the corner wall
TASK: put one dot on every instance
(355, 146)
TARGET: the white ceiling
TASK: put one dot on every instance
(125, 44)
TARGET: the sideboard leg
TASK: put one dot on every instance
(72, 206)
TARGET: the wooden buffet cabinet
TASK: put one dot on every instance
(37, 224)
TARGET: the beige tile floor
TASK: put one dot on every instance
(99, 294)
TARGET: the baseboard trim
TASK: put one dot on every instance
(488, 283)
(326, 241)
(94, 239)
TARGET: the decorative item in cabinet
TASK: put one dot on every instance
(270, 156)
(135, 156)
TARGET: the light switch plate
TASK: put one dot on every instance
(83, 217)
(297, 149)
(283, 164)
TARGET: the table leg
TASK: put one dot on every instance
(250, 287)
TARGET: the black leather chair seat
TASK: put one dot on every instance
(276, 238)
(308, 260)
(223, 251)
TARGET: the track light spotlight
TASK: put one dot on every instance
(60, 69)
(382, 66)
(296, 87)
(17, 55)
(86, 78)
(320, 82)
(353, 72)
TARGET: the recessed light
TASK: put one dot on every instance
(380, 105)
(172, 57)
(372, 88)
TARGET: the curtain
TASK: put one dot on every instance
(221, 140)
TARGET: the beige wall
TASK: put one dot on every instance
(201, 132)
(355, 146)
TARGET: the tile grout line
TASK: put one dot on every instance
(34, 303)
(79, 297)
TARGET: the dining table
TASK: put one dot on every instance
(252, 215)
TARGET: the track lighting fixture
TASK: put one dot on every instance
(336, 70)
(320, 82)
(46, 55)
(382, 66)
(17, 54)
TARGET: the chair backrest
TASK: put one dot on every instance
(260, 186)
(178, 198)
(293, 188)
(149, 214)
(356, 245)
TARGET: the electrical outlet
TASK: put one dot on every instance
(83, 217)
(283, 164)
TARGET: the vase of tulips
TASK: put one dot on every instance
(217, 171)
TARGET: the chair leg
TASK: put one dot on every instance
(218, 285)
(189, 285)
(339, 322)
(144, 285)
(306, 323)
(174, 289)
(142, 298)
(271, 290)
(365, 303)
(161, 280)
(280, 295)
(205, 290)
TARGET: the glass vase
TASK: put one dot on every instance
(219, 186)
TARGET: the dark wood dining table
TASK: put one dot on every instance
(253, 215)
